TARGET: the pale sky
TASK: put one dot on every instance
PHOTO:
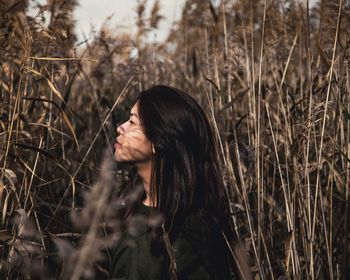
(94, 12)
(122, 13)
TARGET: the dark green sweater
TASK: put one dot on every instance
(200, 251)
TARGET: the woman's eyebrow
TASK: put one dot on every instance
(133, 114)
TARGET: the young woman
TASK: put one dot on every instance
(180, 220)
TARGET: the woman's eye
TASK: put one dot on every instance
(131, 122)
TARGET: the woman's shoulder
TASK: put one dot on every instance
(200, 250)
(199, 221)
(199, 231)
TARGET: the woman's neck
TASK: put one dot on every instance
(144, 171)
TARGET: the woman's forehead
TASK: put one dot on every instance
(135, 110)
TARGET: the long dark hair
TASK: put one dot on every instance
(186, 170)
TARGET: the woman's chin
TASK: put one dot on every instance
(117, 157)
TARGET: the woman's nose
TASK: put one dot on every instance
(120, 129)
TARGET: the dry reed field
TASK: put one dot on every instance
(274, 78)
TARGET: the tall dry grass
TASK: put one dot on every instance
(274, 79)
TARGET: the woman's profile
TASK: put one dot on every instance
(169, 140)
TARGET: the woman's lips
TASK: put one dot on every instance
(117, 145)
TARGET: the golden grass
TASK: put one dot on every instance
(274, 79)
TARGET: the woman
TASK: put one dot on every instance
(169, 140)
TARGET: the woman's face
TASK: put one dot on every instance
(132, 145)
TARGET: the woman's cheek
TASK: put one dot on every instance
(128, 146)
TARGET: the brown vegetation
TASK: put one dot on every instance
(272, 75)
